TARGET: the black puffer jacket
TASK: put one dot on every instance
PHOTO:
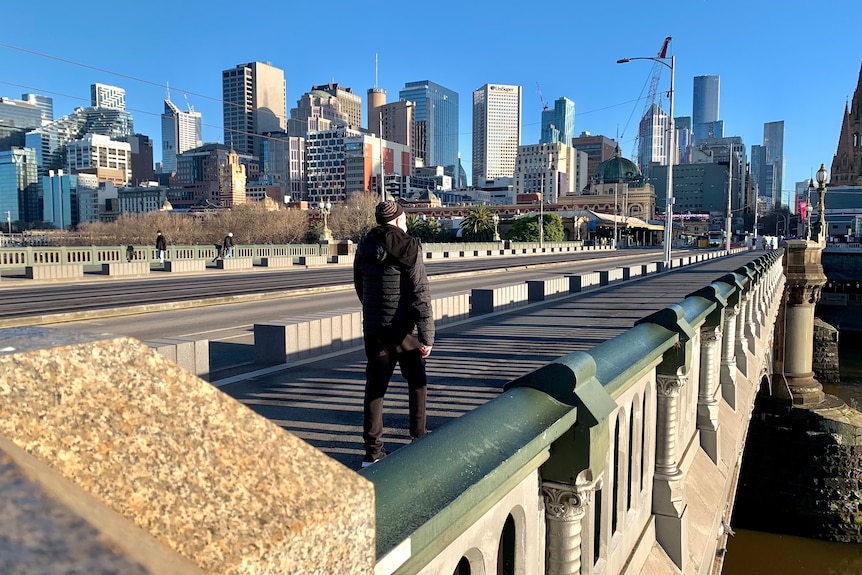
(390, 280)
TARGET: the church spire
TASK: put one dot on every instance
(847, 162)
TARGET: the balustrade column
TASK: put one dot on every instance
(565, 508)
(741, 347)
(667, 408)
(669, 505)
(752, 315)
(707, 403)
(728, 357)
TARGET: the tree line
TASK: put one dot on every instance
(253, 223)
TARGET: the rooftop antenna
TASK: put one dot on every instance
(375, 70)
(168, 91)
(189, 106)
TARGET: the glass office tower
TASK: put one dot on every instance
(705, 107)
(558, 123)
(436, 117)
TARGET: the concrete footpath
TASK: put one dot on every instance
(320, 400)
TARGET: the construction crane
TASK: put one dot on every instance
(650, 99)
(541, 98)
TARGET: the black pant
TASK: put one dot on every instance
(382, 357)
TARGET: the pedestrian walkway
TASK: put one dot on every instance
(321, 401)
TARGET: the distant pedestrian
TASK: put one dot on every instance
(398, 324)
(161, 246)
(227, 245)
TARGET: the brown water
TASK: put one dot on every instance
(759, 553)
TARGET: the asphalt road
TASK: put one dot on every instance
(24, 302)
(229, 327)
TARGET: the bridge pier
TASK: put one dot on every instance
(805, 279)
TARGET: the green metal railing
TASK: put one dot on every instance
(554, 421)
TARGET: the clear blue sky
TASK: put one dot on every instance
(773, 62)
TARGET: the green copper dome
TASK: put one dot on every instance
(616, 170)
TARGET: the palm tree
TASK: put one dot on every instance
(478, 224)
(414, 226)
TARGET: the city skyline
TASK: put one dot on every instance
(783, 84)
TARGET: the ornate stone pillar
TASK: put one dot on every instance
(805, 279)
(565, 508)
(669, 505)
(741, 348)
(707, 403)
(728, 357)
(667, 408)
(753, 319)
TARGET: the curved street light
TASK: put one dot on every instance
(671, 153)
(822, 175)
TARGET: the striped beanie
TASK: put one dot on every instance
(387, 211)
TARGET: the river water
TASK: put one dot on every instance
(759, 553)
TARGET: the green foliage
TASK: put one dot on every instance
(478, 225)
(314, 233)
(427, 230)
(527, 229)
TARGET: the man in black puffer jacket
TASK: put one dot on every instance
(398, 325)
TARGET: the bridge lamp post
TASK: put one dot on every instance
(671, 154)
(325, 209)
(784, 218)
(822, 175)
(496, 219)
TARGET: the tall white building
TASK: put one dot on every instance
(104, 96)
(181, 131)
(110, 160)
(652, 136)
(496, 131)
(255, 102)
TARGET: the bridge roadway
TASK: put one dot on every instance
(227, 321)
(25, 302)
(320, 400)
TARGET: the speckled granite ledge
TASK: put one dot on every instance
(199, 472)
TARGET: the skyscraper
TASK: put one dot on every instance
(350, 103)
(705, 108)
(255, 102)
(104, 96)
(16, 119)
(496, 131)
(18, 183)
(653, 131)
(558, 123)
(436, 116)
(44, 103)
(50, 139)
(773, 141)
(181, 131)
(59, 199)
